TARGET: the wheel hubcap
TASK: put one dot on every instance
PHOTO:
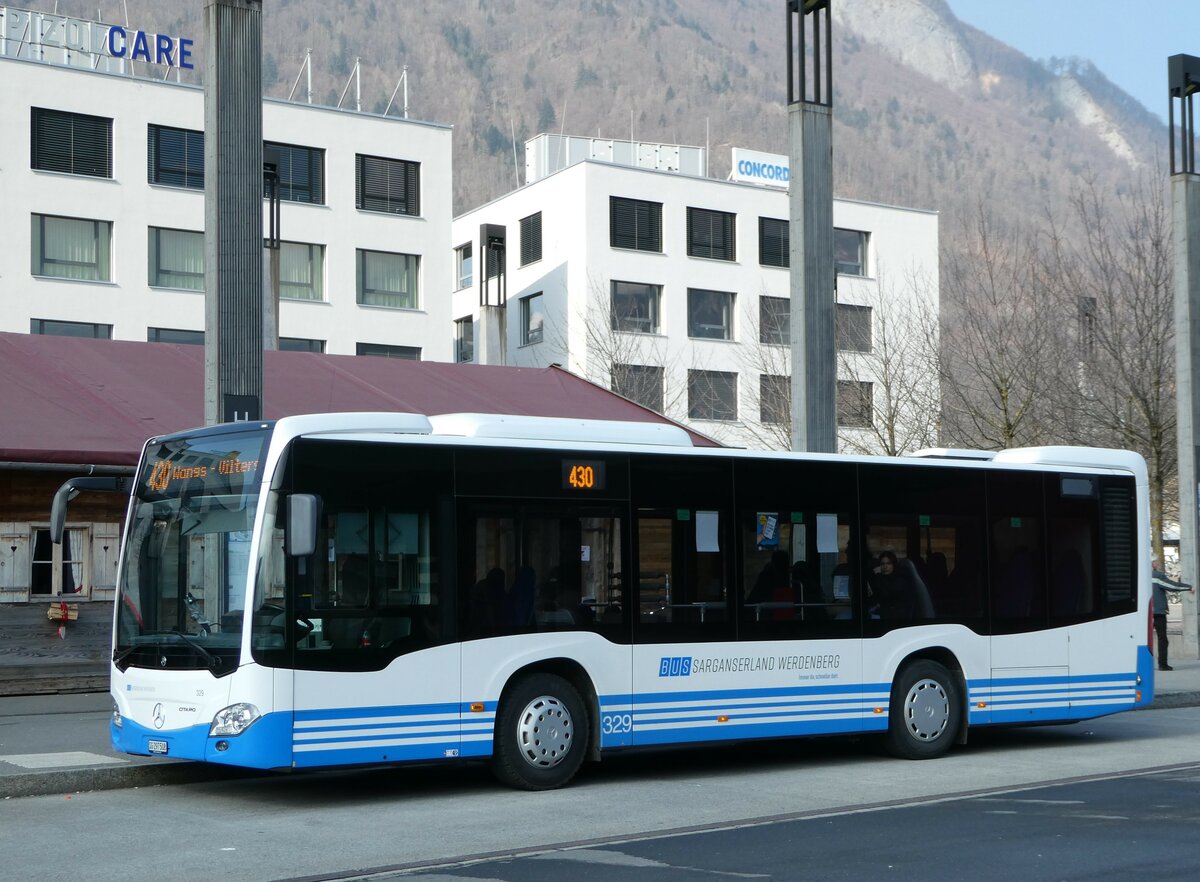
(926, 710)
(545, 732)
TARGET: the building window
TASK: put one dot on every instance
(60, 569)
(464, 339)
(773, 239)
(710, 234)
(391, 185)
(301, 271)
(641, 383)
(54, 328)
(176, 259)
(301, 172)
(409, 353)
(300, 344)
(775, 399)
(849, 252)
(712, 395)
(710, 314)
(71, 248)
(634, 223)
(386, 279)
(531, 238)
(464, 267)
(775, 321)
(175, 335)
(533, 319)
(71, 143)
(635, 307)
(855, 404)
(175, 157)
(853, 328)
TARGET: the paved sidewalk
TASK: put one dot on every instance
(53, 744)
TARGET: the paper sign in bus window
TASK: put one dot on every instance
(707, 525)
(827, 534)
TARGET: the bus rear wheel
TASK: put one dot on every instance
(926, 711)
(541, 734)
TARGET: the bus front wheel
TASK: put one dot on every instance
(541, 734)
(926, 711)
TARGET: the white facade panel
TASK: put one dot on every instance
(132, 205)
(579, 265)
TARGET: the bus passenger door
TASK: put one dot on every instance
(1030, 659)
(377, 674)
(553, 574)
(684, 603)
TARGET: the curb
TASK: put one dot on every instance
(80, 780)
(1173, 699)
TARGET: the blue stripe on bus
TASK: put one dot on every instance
(351, 739)
(401, 724)
(404, 710)
(724, 732)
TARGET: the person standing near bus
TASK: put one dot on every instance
(1162, 584)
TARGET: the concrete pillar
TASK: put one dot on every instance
(813, 309)
(233, 211)
(1185, 199)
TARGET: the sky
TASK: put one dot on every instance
(1128, 41)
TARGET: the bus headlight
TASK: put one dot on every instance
(116, 715)
(234, 720)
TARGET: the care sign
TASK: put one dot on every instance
(45, 36)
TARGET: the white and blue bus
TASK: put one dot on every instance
(361, 589)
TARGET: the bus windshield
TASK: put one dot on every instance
(187, 557)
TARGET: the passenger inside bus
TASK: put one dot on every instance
(896, 591)
(353, 630)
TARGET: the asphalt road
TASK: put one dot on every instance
(772, 811)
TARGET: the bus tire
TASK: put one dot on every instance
(926, 711)
(541, 734)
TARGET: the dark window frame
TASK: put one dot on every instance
(375, 190)
(163, 166)
(308, 187)
(774, 238)
(531, 238)
(635, 224)
(70, 143)
(711, 234)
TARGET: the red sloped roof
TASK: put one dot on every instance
(74, 400)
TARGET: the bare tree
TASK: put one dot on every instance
(889, 357)
(888, 371)
(1116, 278)
(623, 352)
(998, 342)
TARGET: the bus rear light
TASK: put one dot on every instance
(476, 707)
(1137, 696)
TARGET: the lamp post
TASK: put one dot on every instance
(1183, 76)
(810, 131)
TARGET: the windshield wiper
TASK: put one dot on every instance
(213, 661)
(121, 654)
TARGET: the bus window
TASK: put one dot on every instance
(1017, 559)
(924, 544)
(681, 574)
(541, 568)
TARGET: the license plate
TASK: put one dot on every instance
(157, 746)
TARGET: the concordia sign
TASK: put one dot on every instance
(767, 169)
(45, 36)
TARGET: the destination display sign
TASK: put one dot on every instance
(207, 465)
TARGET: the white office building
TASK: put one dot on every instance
(102, 183)
(624, 263)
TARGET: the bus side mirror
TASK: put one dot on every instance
(71, 489)
(304, 511)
